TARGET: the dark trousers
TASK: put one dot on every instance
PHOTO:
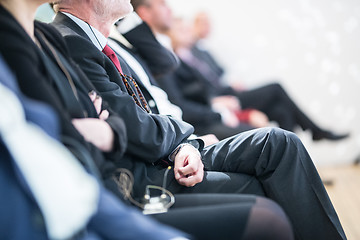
(271, 162)
(277, 105)
(228, 216)
(220, 130)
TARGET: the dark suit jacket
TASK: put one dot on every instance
(38, 82)
(158, 59)
(20, 216)
(155, 59)
(206, 57)
(218, 88)
(187, 89)
(149, 98)
(151, 137)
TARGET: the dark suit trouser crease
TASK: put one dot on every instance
(277, 105)
(274, 163)
(237, 217)
(220, 130)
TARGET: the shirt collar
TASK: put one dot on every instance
(97, 38)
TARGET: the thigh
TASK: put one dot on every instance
(210, 216)
(221, 182)
(248, 153)
(221, 131)
(259, 98)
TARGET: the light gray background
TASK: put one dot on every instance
(310, 47)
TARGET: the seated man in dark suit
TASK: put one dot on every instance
(262, 162)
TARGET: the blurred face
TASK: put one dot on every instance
(202, 26)
(159, 15)
(115, 9)
(180, 34)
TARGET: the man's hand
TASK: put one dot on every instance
(96, 131)
(258, 119)
(188, 167)
(228, 102)
(97, 101)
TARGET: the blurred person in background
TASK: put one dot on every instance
(272, 99)
(220, 115)
(204, 109)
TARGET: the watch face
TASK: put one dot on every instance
(197, 143)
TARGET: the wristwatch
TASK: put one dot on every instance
(196, 143)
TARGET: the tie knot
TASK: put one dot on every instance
(112, 56)
(108, 51)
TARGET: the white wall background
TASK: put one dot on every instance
(312, 47)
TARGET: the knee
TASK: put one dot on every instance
(274, 136)
(270, 210)
(274, 220)
(277, 89)
(282, 137)
(268, 219)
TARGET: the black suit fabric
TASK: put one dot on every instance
(243, 205)
(135, 53)
(271, 99)
(151, 137)
(154, 58)
(36, 80)
(268, 161)
(187, 89)
(209, 60)
(159, 60)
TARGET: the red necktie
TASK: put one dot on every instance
(112, 56)
(140, 99)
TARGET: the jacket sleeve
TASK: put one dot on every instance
(193, 112)
(30, 76)
(150, 136)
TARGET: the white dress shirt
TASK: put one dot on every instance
(97, 38)
(66, 195)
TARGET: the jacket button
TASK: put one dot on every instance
(152, 103)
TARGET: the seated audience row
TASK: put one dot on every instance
(103, 112)
(198, 84)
